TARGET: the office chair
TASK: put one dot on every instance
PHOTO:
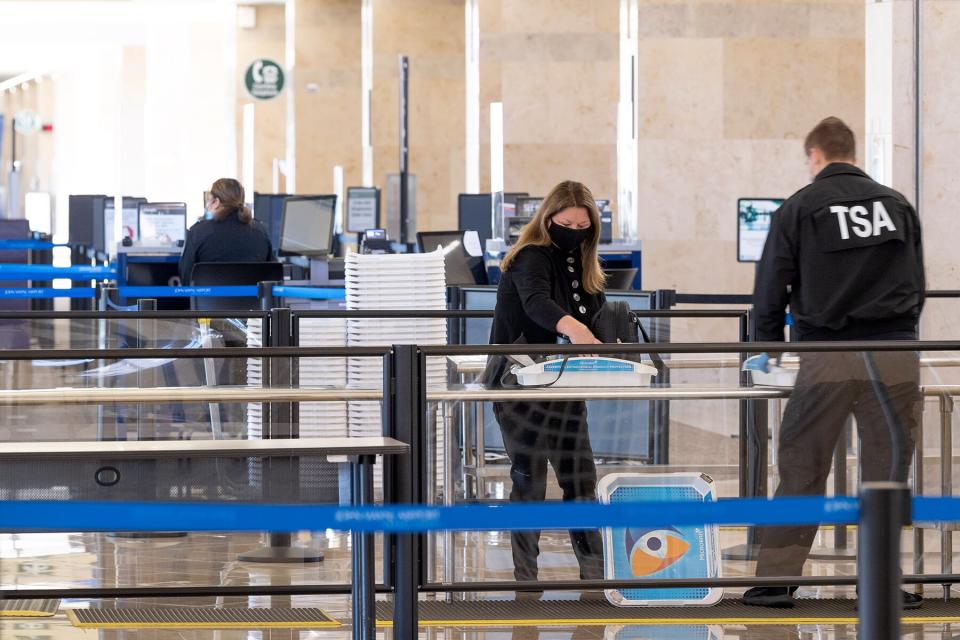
(213, 274)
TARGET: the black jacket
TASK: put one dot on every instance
(226, 240)
(846, 253)
(536, 291)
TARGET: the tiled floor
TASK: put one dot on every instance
(85, 560)
(90, 560)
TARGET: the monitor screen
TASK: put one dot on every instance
(527, 207)
(130, 217)
(109, 220)
(162, 223)
(514, 228)
(510, 197)
(307, 225)
(475, 213)
(754, 216)
(456, 260)
(363, 209)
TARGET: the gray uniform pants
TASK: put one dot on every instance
(831, 386)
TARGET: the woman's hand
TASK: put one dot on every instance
(578, 332)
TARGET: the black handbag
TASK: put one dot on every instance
(615, 323)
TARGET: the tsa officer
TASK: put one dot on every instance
(845, 254)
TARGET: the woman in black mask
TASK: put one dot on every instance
(551, 287)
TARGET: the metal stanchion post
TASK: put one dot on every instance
(363, 556)
(884, 510)
(265, 293)
(404, 413)
(147, 338)
(946, 483)
(280, 474)
(840, 484)
(918, 544)
(103, 293)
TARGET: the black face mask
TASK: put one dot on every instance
(568, 239)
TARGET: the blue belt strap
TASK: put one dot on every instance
(46, 293)
(310, 293)
(27, 243)
(238, 291)
(46, 272)
(213, 516)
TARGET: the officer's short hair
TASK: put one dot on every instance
(834, 138)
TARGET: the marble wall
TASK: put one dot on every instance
(728, 90)
(265, 40)
(431, 34)
(327, 85)
(554, 65)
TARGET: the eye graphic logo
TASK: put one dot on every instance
(653, 550)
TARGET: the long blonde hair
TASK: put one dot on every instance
(563, 196)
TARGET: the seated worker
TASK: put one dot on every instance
(845, 253)
(228, 232)
(552, 286)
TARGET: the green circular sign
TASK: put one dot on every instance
(264, 79)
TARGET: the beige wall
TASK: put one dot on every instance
(940, 141)
(328, 118)
(431, 34)
(728, 90)
(265, 40)
(554, 65)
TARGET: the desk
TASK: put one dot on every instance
(151, 267)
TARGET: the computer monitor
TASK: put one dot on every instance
(475, 213)
(754, 216)
(162, 223)
(268, 209)
(130, 217)
(606, 221)
(457, 262)
(363, 209)
(514, 227)
(129, 222)
(527, 207)
(109, 221)
(306, 227)
(86, 220)
(510, 197)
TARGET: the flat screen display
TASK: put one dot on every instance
(162, 223)
(363, 209)
(474, 213)
(456, 260)
(307, 228)
(754, 216)
(527, 207)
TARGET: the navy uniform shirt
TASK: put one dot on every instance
(845, 252)
(227, 240)
(542, 285)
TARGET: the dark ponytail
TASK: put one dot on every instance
(232, 198)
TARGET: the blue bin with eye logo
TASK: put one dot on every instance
(649, 552)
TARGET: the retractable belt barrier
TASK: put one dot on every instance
(42, 293)
(231, 291)
(15, 244)
(231, 517)
(46, 272)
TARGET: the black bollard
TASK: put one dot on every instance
(884, 510)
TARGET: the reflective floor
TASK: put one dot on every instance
(90, 560)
